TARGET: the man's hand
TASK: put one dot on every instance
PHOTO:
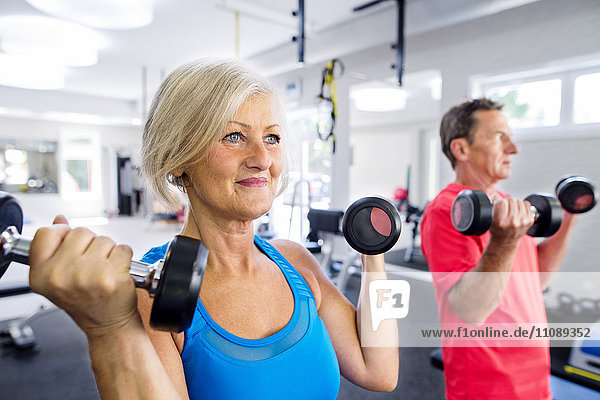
(511, 220)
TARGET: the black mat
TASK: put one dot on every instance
(57, 368)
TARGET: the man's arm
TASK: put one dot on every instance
(552, 251)
(477, 294)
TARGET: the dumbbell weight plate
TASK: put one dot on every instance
(180, 282)
(11, 214)
(550, 215)
(472, 212)
(371, 225)
(576, 194)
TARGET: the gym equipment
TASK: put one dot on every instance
(576, 194)
(585, 353)
(173, 282)
(472, 213)
(19, 333)
(371, 225)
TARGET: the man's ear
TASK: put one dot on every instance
(459, 148)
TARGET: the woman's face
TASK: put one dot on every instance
(239, 179)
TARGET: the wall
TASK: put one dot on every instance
(381, 156)
(112, 140)
(532, 36)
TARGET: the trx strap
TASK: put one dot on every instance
(327, 100)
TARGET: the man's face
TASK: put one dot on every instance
(492, 149)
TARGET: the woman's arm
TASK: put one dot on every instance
(126, 366)
(167, 345)
(374, 368)
(88, 277)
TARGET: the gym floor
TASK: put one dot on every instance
(58, 367)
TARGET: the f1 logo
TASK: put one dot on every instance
(389, 300)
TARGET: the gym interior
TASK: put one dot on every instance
(71, 133)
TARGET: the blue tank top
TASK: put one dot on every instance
(298, 362)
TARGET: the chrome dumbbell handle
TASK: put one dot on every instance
(16, 247)
(536, 213)
(146, 276)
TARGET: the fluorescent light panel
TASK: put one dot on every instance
(379, 99)
(106, 14)
(55, 41)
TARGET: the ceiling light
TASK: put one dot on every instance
(30, 73)
(379, 99)
(60, 42)
(107, 14)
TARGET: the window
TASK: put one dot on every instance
(78, 173)
(552, 100)
(586, 105)
(80, 166)
(530, 104)
(311, 170)
(28, 165)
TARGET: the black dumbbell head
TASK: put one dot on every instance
(179, 285)
(576, 194)
(550, 215)
(371, 225)
(472, 212)
(11, 214)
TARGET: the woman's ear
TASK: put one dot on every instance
(459, 148)
(177, 172)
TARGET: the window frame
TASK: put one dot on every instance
(566, 73)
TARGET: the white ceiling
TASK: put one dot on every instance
(184, 30)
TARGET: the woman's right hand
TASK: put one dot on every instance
(86, 275)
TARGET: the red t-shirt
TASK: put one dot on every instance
(475, 369)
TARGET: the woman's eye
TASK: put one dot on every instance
(273, 139)
(234, 137)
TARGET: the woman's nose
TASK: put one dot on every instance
(258, 156)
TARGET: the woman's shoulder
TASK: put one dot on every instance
(303, 261)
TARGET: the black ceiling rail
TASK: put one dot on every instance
(399, 45)
(300, 37)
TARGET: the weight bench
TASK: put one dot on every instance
(324, 226)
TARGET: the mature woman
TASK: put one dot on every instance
(269, 323)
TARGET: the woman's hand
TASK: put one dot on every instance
(86, 275)
(373, 263)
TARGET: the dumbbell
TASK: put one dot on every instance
(173, 282)
(576, 194)
(371, 225)
(472, 210)
(472, 213)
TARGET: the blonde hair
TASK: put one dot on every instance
(188, 116)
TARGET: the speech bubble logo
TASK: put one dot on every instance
(389, 300)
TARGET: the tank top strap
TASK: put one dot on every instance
(295, 279)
